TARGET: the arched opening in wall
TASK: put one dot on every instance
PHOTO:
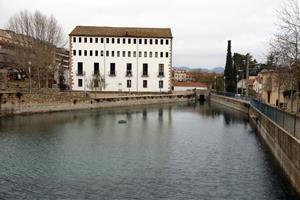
(201, 97)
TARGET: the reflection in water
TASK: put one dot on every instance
(183, 151)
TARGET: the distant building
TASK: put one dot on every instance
(179, 75)
(121, 59)
(189, 86)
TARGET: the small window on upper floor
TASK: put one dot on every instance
(112, 40)
(101, 53)
(74, 39)
(134, 41)
(156, 54)
(112, 53)
(118, 40)
(91, 40)
(167, 41)
(96, 40)
(85, 52)
(145, 54)
(161, 41)
(161, 54)
(167, 54)
(129, 53)
(107, 53)
(129, 41)
(74, 52)
(140, 41)
(124, 41)
(140, 54)
(124, 53)
(156, 41)
(107, 40)
(79, 52)
(96, 52)
(85, 40)
(118, 53)
(79, 39)
(150, 54)
(102, 40)
(134, 54)
(91, 53)
(145, 41)
(150, 41)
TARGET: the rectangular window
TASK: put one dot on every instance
(124, 41)
(167, 41)
(85, 52)
(112, 40)
(140, 54)
(150, 54)
(91, 53)
(96, 53)
(79, 39)
(161, 54)
(91, 40)
(102, 40)
(101, 53)
(140, 41)
(85, 40)
(144, 83)
(112, 53)
(129, 53)
(167, 54)
(128, 69)
(150, 41)
(79, 68)
(107, 40)
(112, 69)
(156, 41)
(80, 82)
(134, 54)
(161, 70)
(74, 39)
(107, 53)
(79, 52)
(145, 41)
(118, 40)
(124, 53)
(161, 41)
(145, 54)
(156, 54)
(145, 69)
(128, 83)
(96, 68)
(118, 53)
(74, 52)
(129, 41)
(134, 41)
(161, 84)
(96, 40)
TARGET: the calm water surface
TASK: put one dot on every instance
(188, 151)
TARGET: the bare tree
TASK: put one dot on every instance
(36, 38)
(286, 43)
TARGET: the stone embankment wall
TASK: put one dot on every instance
(17, 103)
(283, 145)
(231, 102)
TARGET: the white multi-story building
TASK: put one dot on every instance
(121, 59)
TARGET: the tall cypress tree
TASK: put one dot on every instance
(230, 72)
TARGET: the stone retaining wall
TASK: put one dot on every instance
(240, 105)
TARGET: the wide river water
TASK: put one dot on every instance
(178, 151)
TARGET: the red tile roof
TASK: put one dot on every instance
(189, 84)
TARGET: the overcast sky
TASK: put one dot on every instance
(200, 28)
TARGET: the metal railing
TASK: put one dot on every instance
(290, 122)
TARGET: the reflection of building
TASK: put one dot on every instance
(121, 59)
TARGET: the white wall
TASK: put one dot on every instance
(178, 88)
(119, 82)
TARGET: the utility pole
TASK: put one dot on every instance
(247, 74)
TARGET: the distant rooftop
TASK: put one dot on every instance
(121, 32)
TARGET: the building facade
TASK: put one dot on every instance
(120, 59)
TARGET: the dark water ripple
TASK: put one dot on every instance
(163, 152)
